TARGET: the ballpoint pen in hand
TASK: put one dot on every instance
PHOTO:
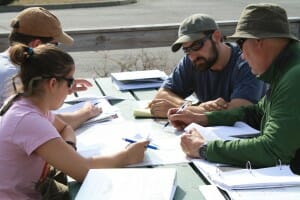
(133, 141)
(181, 108)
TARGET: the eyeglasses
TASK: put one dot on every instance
(240, 42)
(195, 46)
(70, 81)
(54, 43)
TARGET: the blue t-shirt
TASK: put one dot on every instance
(234, 81)
(7, 71)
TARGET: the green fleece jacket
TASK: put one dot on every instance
(277, 115)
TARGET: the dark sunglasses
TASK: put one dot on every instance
(240, 42)
(70, 81)
(54, 43)
(195, 46)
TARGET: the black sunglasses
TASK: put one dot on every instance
(196, 46)
(240, 42)
(70, 81)
(54, 43)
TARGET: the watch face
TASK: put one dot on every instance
(203, 151)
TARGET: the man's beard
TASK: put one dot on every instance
(207, 63)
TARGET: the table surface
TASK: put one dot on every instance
(188, 177)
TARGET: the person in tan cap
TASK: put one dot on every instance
(273, 53)
(37, 21)
(34, 26)
(211, 69)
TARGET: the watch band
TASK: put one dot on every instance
(203, 151)
(72, 144)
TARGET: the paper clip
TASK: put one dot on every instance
(249, 167)
(280, 164)
(218, 171)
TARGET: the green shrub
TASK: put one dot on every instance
(5, 2)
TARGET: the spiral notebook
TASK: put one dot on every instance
(247, 179)
(270, 177)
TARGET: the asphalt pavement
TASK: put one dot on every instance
(143, 12)
(83, 4)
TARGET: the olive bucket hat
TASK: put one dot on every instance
(263, 21)
(193, 28)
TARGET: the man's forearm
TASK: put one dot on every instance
(170, 96)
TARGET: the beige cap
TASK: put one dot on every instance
(37, 21)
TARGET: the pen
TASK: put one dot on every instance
(181, 108)
(133, 141)
(96, 103)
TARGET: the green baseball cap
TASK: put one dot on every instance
(192, 28)
(263, 21)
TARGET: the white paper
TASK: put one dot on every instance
(73, 99)
(133, 184)
(109, 113)
(139, 75)
(210, 133)
(286, 193)
(232, 178)
(270, 177)
(104, 139)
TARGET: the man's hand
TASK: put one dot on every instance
(218, 104)
(191, 142)
(81, 85)
(183, 118)
(160, 107)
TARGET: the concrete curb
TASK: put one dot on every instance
(18, 8)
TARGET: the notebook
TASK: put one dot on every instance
(138, 79)
(109, 112)
(270, 177)
(129, 183)
(231, 178)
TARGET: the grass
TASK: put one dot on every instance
(24, 2)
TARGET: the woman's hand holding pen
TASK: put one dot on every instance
(135, 152)
(184, 117)
(91, 110)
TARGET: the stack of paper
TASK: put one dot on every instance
(108, 111)
(237, 131)
(248, 184)
(129, 183)
(138, 79)
(95, 140)
(270, 177)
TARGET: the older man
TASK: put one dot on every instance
(211, 68)
(273, 54)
